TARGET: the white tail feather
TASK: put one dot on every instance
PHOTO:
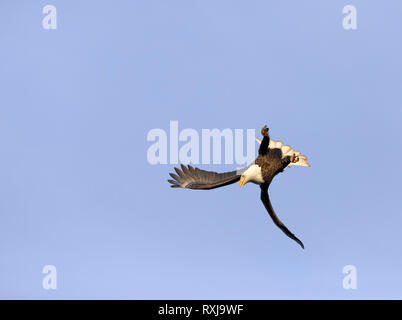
(288, 151)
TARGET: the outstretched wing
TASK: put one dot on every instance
(267, 203)
(194, 178)
(287, 151)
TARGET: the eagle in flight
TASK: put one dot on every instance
(273, 158)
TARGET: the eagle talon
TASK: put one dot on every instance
(294, 158)
(264, 131)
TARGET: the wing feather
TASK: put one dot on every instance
(267, 204)
(287, 151)
(195, 178)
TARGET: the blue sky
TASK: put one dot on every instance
(77, 191)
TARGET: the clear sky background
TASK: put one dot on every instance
(77, 192)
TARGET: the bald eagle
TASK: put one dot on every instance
(273, 158)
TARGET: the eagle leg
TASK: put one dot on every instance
(263, 150)
(289, 159)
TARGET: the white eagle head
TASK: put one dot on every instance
(252, 174)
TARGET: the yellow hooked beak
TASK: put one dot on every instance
(242, 181)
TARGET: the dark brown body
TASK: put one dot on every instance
(271, 164)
